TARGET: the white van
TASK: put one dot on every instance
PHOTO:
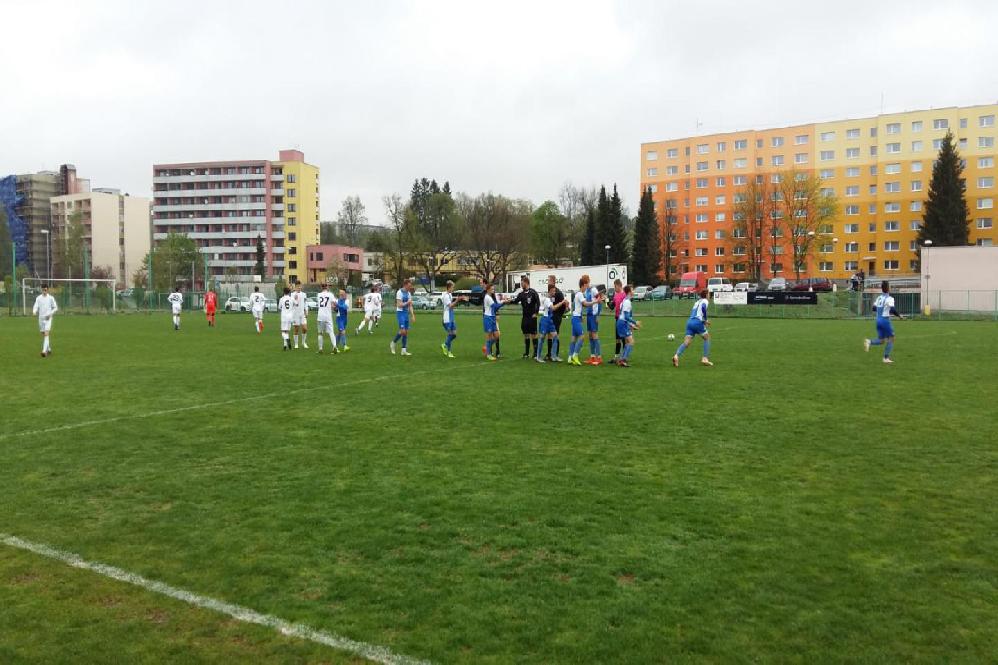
(719, 284)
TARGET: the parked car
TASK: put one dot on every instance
(270, 305)
(235, 304)
(421, 301)
(715, 284)
(126, 293)
(475, 298)
(640, 292)
(812, 284)
(777, 284)
(662, 292)
(746, 286)
(691, 284)
(312, 303)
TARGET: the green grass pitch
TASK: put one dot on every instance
(800, 501)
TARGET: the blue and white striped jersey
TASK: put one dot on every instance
(884, 304)
(401, 300)
(490, 305)
(699, 311)
(446, 299)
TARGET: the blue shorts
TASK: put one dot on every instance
(577, 326)
(592, 323)
(695, 327)
(403, 320)
(341, 323)
(884, 328)
(547, 326)
(623, 329)
(450, 327)
(489, 324)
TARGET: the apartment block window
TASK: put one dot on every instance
(292, 207)
(741, 144)
(703, 166)
(827, 155)
(915, 225)
(851, 210)
(916, 167)
(985, 162)
(852, 172)
(827, 136)
(777, 141)
(937, 144)
(892, 186)
(672, 186)
(700, 251)
(292, 236)
(719, 200)
(291, 178)
(702, 201)
(721, 146)
(758, 162)
(851, 266)
(852, 247)
(701, 235)
(828, 191)
(985, 141)
(985, 182)
(963, 123)
(719, 165)
(916, 185)
(873, 190)
(739, 180)
(984, 223)
(718, 251)
(873, 132)
(719, 181)
(873, 151)
(652, 172)
(741, 163)
(892, 226)
(776, 178)
(825, 248)
(916, 125)
(651, 155)
(892, 246)
(872, 228)
(893, 148)
(800, 139)
(852, 133)
(826, 266)
(940, 123)
(800, 158)
(852, 153)
(703, 148)
(291, 221)
(720, 217)
(702, 217)
(894, 128)
(891, 169)
(916, 146)
(985, 204)
(852, 228)
(985, 242)
(826, 174)
(892, 207)
(852, 190)
(873, 170)
(891, 265)
(701, 183)
(962, 143)
(719, 268)
(872, 208)
(758, 143)
(672, 153)
(777, 160)
(671, 170)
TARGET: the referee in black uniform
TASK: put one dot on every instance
(530, 303)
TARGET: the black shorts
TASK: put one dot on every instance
(528, 326)
(556, 320)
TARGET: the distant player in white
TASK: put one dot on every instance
(286, 309)
(45, 306)
(299, 309)
(377, 308)
(372, 310)
(257, 304)
(176, 300)
(325, 317)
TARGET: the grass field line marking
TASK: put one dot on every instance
(235, 400)
(371, 652)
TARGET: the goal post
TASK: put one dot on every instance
(72, 294)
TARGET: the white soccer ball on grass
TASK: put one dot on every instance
(671, 337)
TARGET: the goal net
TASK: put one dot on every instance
(78, 295)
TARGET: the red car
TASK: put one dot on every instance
(812, 284)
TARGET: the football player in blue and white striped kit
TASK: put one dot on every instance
(448, 301)
(490, 306)
(626, 325)
(342, 313)
(884, 307)
(593, 306)
(697, 325)
(548, 329)
(578, 308)
(404, 316)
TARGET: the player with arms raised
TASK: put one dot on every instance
(45, 306)
(884, 307)
(697, 325)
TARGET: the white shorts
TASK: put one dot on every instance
(44, 325)
(369, 312)
(257, 314)
(176, 310)
(377, 312)
(286, 323)
(325, 326)
(298, 319)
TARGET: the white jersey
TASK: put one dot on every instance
(176, 300)
(326, 302)
(446, 299)
(257, 302)
(45, 306)
(577, 305)
(626, 310)
(299, 303)
(547, 305)
(377, 302)
(369, 300)
(286, 307)
(883, 305)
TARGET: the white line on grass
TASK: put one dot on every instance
(372, 652)
(236, 400)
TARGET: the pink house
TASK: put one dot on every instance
(327, 260)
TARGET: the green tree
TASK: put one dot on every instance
(496, 234)
(398, 238)
(433, 227)
(946, 221)
(174, 261)
(587, 254)
(259, 268)
(576, 203)
(612, 231)
(548, 234)
(328, 234)
(279, 287)
(647, 249)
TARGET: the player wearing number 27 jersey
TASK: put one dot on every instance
(324, 318)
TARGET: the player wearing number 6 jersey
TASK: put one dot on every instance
(697, 325)
(884, 307)
(324, 319)
(257, 304)
(286, 307)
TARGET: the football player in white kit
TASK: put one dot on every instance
(286, 307)
(176, 300)
(257, 304)
(45, 306)
(299, 307)
(324, 320)
(372, 310)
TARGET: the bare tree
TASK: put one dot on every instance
(753, 235)
(669, 238)
(496, 233)
(576, 203)
(351, 218)
(395, 212)
(806, 208)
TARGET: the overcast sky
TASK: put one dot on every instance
(516, 97)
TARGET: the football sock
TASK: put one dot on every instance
(616, 350)
(876, 342)
(405, 341)
(488, 347)
(398, 336)
(887, 349)
(553, 344)
(537, 346)
(320, 342)
(450, 340)
(526, 346)
(627, 350)
(495, 343)
(682, 347)
(706, 348)
(599, 349)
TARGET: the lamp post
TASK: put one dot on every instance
(606, 248)
(925, 247)
(48, 254)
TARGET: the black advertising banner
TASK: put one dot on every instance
(782, 298)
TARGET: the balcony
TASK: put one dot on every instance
(208, 207)
(201, 193)
(277, 177)
(277, 206)
(160, 179)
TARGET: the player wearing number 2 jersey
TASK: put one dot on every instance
(257, 304)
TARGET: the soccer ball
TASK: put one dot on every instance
(671, 337)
